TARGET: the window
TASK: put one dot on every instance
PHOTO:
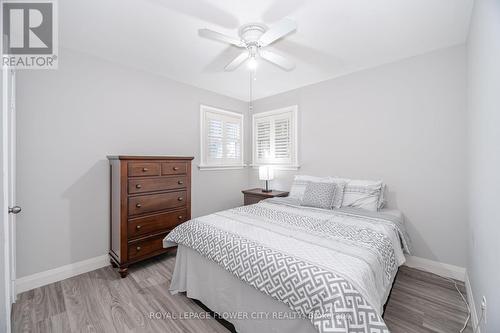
(275, 138)
(221, 138)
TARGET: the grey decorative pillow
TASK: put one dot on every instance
(319, 195)
(339, 194)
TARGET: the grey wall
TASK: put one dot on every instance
(484, 158)
(68, 121)
(404, 123)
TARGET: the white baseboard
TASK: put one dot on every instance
(472, 305)
(36, 280)
(60, 273)
(449, 271)
(436, 267)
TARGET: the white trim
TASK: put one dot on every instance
(220, 167)
(449, 271)
(436, 267)
(472, 304)
(8, 159)
(36, 280)
(294, 165)
(278, 167)
(12, 179)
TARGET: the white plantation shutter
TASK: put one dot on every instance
(233, 141)
(282, 139)
(222, 137)
(263, 142)
(215, 137)
(274, 136)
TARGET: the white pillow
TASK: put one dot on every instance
(363, 194)
(300, 183)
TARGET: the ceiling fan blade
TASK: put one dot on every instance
(237, 61)
(207, 33)
(277, 59)
(277, 31)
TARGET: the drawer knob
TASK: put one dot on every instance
(138, 248)
(138, 186)
(180, 198)
(176, 168)
(138, 227)
(180, 182)
(180, 217)
(138, 205)
(145, 169)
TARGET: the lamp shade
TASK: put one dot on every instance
(266, 173)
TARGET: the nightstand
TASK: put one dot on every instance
(255, 195)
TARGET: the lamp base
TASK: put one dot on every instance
(267, 189)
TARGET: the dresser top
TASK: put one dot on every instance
(148, 157)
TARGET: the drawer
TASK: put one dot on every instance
(139, 169)
(155, 223)
(140, 185)
(173, 168)
(146, 246)
(155, 202)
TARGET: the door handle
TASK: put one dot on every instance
(14, 210)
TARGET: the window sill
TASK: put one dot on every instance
(221, 167)
(291, 167)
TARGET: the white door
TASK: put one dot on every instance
(9, 186)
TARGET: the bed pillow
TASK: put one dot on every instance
(381, 199)
(301, 181)
(319, 194)
(363, 194)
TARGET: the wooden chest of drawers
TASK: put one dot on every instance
(150, 195)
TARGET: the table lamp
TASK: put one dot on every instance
(266, 173)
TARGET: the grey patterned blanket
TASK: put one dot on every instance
(334, 268)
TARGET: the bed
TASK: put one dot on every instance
(277, 266)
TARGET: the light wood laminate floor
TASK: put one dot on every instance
(100, 301)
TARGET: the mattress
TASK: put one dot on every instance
(248, 309)
(332, 269)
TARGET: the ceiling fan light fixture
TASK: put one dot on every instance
(252, 63)
(253, 38)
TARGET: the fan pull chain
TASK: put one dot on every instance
(250, 104)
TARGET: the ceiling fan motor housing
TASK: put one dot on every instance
(250, 33)
(253, 38)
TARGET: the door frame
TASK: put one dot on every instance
(8, 159)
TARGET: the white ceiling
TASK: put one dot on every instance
(334, 37)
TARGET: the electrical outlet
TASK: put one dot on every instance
(483, 308)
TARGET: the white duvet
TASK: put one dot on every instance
(334, 267)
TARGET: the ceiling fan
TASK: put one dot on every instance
(254, 37)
